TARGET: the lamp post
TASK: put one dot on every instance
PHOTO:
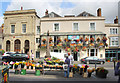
(47, 50)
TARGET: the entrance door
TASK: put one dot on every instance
(26, 46)
(75, 56)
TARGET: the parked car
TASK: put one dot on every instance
(92, 60)
(8, 53)
(16, 57)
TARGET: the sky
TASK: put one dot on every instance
(63, 7)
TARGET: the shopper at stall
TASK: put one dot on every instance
(117, 70)
(71, 58)
(32, 56)
(66, 67)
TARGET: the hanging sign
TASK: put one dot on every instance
(73, 37)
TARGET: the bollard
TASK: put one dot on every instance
(23, 71)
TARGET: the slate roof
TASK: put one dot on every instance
(52, 13)
(85, 14)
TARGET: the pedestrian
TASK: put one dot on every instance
(32, 56)
(66, 67)
(71, 58)
(117, 70)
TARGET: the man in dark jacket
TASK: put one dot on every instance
(67, 61)
(117, 70)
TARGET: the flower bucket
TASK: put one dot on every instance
(16, 71)
(23, 71)
(37, 72)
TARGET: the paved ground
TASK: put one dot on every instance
(59, 75)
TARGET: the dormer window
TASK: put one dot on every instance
(85, 14)
(51, 15)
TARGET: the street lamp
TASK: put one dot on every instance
(47, 50)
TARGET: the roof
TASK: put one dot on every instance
(73, 33)
(52, 14)
(85, 14)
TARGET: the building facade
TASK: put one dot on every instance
(81, 31)
(113, 36)
(21, 29)
(82, 35)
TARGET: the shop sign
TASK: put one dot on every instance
(73, 37)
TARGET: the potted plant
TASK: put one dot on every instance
(90, 71)
(101, 72)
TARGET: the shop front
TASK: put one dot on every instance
(111, 54)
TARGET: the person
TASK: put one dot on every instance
(32, 56)
(66, 67)
(71, 58)
(117, 70)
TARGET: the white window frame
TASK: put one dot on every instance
(112, 31)
(90, 26)
(22, 28)
(11, 28)
(113, 38)
(54, 26)
(73, 26)
(94, 52)
(38, 40)
(37, 30)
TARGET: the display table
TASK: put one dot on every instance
(4, 74)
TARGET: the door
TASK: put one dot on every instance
(75, 56)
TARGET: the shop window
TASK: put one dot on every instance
(37, 40)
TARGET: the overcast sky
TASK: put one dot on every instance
(63, 7)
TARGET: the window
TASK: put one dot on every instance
(75, 26)
(17, 45)
(92, 52)
(7, 45)
(23, 28)
(12, 28)
(51, 15)
(113, 31)
(38, 29)
(56, 27)
(92, 26)
(37, 40)
(114, 41)
(37, 54)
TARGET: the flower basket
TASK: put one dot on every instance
(101, 72)
(44, 40)
(92, 40)
(84, 48)
(86, 39)
(81, 39)
(98, 39)
(104, 39)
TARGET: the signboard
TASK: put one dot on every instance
(73, 37)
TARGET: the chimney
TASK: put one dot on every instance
(99, 12)
(116, 20)
(46, 13)
(21, 8)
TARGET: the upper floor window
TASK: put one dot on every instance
(92, 26)
(114, 41)
(23, 28)
(113, 31)
(37, 40)
(75, 26)
(12, 28)
(56, 27)
(38, 29)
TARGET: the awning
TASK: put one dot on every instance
(72, 33)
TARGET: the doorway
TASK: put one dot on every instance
(26, 51)
(75, 56)
(26, 46)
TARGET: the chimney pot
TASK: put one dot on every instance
(116, 20)
(21, 8)
(46, 13)
(99, 12)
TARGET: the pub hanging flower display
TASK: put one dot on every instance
(67, 49)
(73, 44)
(81, 39)
(66, 40)
(92, 39)
(76, 49)
(50, 40)
(44, 40)
(91, 44)
(104, 39)
(84, 48)
(43, 45)
(50, 45)
(80, 44)
(98, 39)
(86, 39)
(101, 44)
(59, 40)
